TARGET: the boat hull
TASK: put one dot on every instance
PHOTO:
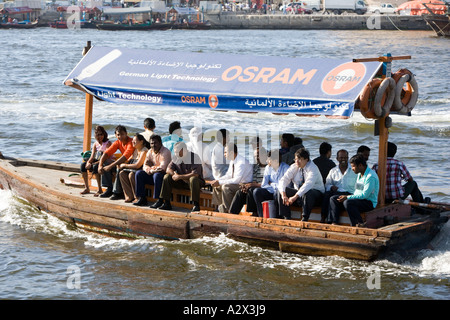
(18, 25)
(144, 27)
(40, 183)
(439, 23)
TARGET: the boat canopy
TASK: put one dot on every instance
(224, 82)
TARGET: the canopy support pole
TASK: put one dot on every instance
(382, 158)
(381, 128)
(88, 122)
(88, 113)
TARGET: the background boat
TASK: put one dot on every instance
(19, 25)
(133, 26)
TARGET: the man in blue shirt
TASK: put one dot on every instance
(273, 173)
(364, 198)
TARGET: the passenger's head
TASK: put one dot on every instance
(155, 142)
(149, 123)
(274, 158)
(325, 149)
(230, 152)
(342, 158)
(175, 126)
(222, 136)
(180, 149)
(287, 140)
(364, 151)
(121, 133)
(301, 157)
(140, 142)
(100, 134)
(358, 163)
(391, 149)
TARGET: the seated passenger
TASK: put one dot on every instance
(100, 145)
(273, 172)
(395, 173)
(153, 171)
(307, 188)
(245, 193)
(323, 162)
(239, 171)
(340, 180)
(197, 146)
(124, 144)
(364, 198)
(173, 137)
(184, 172)
(127, 171)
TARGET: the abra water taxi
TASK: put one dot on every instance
(332, 88)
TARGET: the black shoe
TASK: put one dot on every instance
(157, 204)
(166, 206)
(117, 196)
(427, 200)
(142, 202)
(195, 208)
(106, 194)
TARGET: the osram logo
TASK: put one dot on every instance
(213, 101)
(343, 78)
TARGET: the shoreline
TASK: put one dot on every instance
(317, 22)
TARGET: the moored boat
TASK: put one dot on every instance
(82, 24)
(440, 23)
(19, 25)
(133, 26)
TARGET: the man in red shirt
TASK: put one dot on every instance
(124, 144)
(395, 173)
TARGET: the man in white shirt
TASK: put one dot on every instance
(340, 180)
(308, 186)
(239, 171)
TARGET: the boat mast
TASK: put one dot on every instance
(88, 112)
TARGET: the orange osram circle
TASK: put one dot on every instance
(213, 101)
(343, 78)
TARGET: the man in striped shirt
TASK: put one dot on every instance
(395, 173)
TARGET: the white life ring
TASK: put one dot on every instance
(405, 97)
(382, 104)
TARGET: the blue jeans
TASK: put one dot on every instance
(142, 178)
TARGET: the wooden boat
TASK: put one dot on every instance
(193, 25)
(389, 227)
(83, 24)
(440, 23)
(48, 186)
(134, 26)
(19, 25)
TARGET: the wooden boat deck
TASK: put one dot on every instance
(41, 183)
